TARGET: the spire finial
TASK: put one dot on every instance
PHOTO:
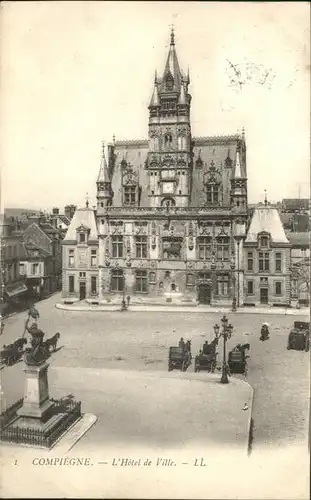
(87, 200)
(103, 148)
(243, 133)
(172, 35)
(266, 201)
(113, 138)
(155, 77)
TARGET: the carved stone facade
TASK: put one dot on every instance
(172, 213)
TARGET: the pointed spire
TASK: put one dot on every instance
(155, 99)
(182, 96)
(237, 172)
(103, 175)
(172, 69)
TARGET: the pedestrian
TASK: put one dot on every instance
(128, 298)
(1, 325)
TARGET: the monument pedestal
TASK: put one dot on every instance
(39, 421)
(36, 392)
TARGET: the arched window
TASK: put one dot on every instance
(155, 143)
(181, 142)
(168, 139)
(168, 202)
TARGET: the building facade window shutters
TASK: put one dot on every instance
(141, 247)
(278, 288)
(117, 246)
(129, 195)
(264, 261)
(117, 280)
(204, 248)
(141, 281)
(93, 258)
(71, 282)
(250, 261)
(222, 284)
(222, 248)
(278, 262)
(93, 285)
(71, 258)
(250, 288)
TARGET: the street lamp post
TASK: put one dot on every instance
(225, 333)
(232, 265)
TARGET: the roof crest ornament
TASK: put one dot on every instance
(172, 35)
(266, 200)
(87, 200)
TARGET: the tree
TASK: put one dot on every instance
(301, 279)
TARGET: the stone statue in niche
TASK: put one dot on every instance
(190, 243)
(107, 259)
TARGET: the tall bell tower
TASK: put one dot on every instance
(169, 160)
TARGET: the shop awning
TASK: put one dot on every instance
(15, 289)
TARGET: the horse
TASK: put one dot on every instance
(52, 342)
(19, 343)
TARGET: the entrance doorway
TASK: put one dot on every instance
(82, 290)
(264, 297)
(204, 293)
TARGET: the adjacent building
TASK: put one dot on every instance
(171, 211)
(300, 267)
(267, 260)
(13, 286)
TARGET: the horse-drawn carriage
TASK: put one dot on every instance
(237, 359)
(179, 358)
(299, 337)
(205, 362)
(207, 358)
(12, 353)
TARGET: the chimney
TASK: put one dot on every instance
(55, 211)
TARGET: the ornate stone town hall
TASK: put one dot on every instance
(171, 212)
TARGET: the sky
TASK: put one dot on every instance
(75, 73)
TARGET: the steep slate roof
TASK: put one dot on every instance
(64, 219)
(83, 216)
(266, 218)
(33, 250)
(299, 240)
(295, 203)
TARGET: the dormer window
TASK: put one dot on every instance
(82, 234)
(264, 241)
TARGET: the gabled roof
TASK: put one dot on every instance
(34, 250)
(266, 218)
(82, 217)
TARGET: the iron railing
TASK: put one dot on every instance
(70, 411)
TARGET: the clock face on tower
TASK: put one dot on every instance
(168, 187)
